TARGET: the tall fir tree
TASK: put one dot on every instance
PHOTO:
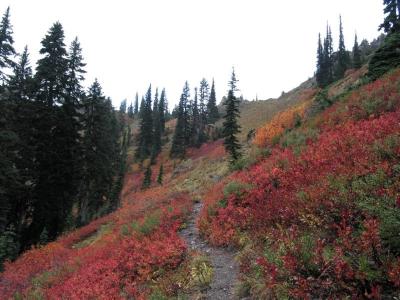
(328, 57)
(21, 81)
(356, 54)
(197, 130)
(387, 57)
(7, 50)
(51, 72)
(147, 178)
(204, 96)
(130, 111)
(53, 158)
(121, 114)
(343, 59)
(17, 150)
(100, 148)
(76, 71)
(156, 147)
(142, 107)
(144, 148)
(179, 141)
(70, 125)
(231, 126)
(320, 63)
(212, 109)
(162, 110)
(136, 110)
(391, 22)
(122, 106)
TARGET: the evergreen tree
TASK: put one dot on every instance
(144, 148)
(136, 111)
(320, 64)
(160, 175)
(212, 109)
(156, 129)
(356, 54)
(343, 59)
(122, 106)
(51, 72)
(179, 141)
(21, 83)
(6, 44)
(197, 127)
(9, 244)
(130, 111)
(121, 115)
(386, 57)
(162, 110)
(70, 125)
(391, 22)
(75, 72)
(230, 126)
(155, 105)
(100, 149)
(142, 107)
(17, 148)
(147, 178)
(55, 167)
(204, 94)
(167, 114)
(328, 58)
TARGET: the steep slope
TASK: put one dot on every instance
(254, 114)
(319, 216)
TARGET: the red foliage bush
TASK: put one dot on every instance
(117, 265)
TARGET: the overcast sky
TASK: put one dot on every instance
(128, 44)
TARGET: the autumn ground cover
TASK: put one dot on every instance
(319, 217)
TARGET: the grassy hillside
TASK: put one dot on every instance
(254, 114)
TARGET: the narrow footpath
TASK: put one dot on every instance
(222, 260)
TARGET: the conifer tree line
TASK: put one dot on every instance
(62, 149)
(152, 115)
(381, 54)
(194, 114)
(331, 66)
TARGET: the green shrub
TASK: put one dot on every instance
(236, 188)
(124, 230)
(380, 206)
(386, 149)
(297, 139)
(243, 163)
(149, 224)
(386, 57)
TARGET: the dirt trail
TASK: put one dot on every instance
(222, 260)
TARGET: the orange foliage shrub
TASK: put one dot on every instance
(282, 121)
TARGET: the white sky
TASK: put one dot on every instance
(129, 44)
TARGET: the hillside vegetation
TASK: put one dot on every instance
(313, 212)
(318, 217)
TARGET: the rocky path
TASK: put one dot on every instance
(222, 260)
